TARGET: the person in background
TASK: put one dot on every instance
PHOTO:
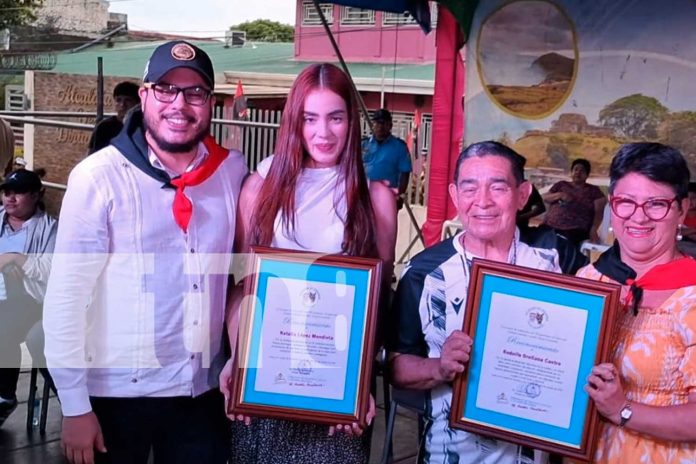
(27, 239)
(689, 229)
(312, 195)
(646, 392)
(533, 208)
(426, 346)
(575, 208)
(125, 98)
(386, 157)
(7, 147)
(135, 305)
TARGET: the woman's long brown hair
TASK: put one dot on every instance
(278, 191)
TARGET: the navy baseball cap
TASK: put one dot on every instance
(178, 54)
(382, 115)
(22, 181)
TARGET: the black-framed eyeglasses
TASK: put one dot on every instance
(167, 93)
(656, 209)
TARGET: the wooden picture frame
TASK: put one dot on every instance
(536, 336)
(306, 337)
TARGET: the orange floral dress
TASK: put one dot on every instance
(655, 353)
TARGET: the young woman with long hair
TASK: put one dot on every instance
(312, 195)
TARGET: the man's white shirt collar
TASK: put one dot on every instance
(199, 158)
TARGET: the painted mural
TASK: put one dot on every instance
(562, 79)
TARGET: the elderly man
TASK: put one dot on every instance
(135, 303)
(427, 348)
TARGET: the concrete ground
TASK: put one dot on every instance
(17, 446)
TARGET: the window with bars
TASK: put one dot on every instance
(352, 16)
(393, 19)
(310, 17)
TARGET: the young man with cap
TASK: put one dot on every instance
(386, 157)
(135, 304)
(125, 98)
(27, 238)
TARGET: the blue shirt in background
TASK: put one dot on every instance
(386, 160)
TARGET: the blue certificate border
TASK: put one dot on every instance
(592, 303)
(311, 272)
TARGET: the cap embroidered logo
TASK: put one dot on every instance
(183, 52)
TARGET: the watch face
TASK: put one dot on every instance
(626, 413)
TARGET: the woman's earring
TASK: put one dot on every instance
(679, 232)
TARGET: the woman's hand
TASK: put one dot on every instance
(354, 429)
(605, 388)
(225, 379)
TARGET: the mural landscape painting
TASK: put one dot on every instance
(612, 77)
(528, 84)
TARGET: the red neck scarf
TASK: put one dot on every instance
(182, 207)
(669, 276)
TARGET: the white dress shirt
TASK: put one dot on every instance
(135, 306)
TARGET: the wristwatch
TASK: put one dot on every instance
(625, 413)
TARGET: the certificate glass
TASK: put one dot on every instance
(306, 337)
(537, 336)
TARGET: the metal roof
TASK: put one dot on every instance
(127, 59)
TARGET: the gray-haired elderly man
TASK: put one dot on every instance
(135, 304)
(427, 347)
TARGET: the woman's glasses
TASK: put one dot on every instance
(655, 209)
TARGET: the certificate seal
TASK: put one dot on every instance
(304, 367)
(310, 296)
(532, 390)
(537, 317)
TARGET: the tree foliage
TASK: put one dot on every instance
(17, 12)
(265, 30)
(635, 117)
(679, 130)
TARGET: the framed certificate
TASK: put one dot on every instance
(307, 337)
(536, 336)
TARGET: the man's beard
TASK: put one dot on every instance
(183, 147)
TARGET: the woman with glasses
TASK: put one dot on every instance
(647, 392)
(312, 195)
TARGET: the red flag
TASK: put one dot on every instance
(412, 137)
(240, 109)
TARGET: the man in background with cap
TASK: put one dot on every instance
(125, 98)
(27, 238)
(135, 304)
(386, 157)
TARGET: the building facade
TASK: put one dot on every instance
(83, 16)
(365, 36)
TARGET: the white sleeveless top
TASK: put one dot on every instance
(320, 211)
